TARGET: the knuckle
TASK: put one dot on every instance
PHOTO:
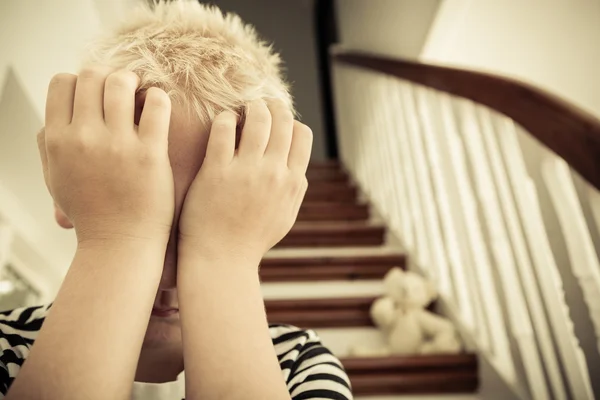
(224, 122)
(62, 78)
(304, 182)
(52, 144)
(300, 184)
(122, 79)
(302, 129)
(82, 144)
(41, 135)
(92, 72)
(286, 116)
(157, 97)
(275, 177)
(146, 160)
(259, 113)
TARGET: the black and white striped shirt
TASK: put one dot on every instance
(310, 370)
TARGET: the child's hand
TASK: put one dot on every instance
(243, 202)
(111, 178)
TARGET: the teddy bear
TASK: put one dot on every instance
(407, 326)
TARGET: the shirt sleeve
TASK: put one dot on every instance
(316, 373)
(18, 329)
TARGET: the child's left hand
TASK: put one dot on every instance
(242, 202)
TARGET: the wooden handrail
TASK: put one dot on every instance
(570, 132)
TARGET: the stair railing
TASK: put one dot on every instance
(491, 185)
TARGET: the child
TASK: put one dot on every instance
(172, 217)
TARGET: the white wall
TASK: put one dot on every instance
(37, 40)
(395, 27)
(555, 45)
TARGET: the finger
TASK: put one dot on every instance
(41, 141)
(119, 100)
(282, 127)
(301, 148)
(156, 117)
(89, 95)
(221, 142)
(59, 101)
(256, 131)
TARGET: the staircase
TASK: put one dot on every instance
(326, 273)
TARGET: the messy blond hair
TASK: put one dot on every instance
(204, 59)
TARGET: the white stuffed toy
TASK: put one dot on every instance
(407, 326)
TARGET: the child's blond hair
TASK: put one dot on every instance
(204, 59)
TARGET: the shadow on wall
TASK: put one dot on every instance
(24, 200)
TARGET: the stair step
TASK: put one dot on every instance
(315, 313)
(285, 269)
(447, 381)
(330, 211)
(323, 312)
(330, 191)
(339, 340)
(418, 363)
(321, 290)
(326, 164)
(357, 251)
(326, 175)
(333, 234)
(413, 374)
(399, 375)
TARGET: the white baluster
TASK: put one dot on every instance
(584, 261)
(523, 262)
(548, 278)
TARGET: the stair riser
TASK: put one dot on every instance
(448, 383)
(321, 273)
(326, 175)
(342, 260)
(325, 165)
(330, 241)
(333, 214)
(323, 313)
(347, 195)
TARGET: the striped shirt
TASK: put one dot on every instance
(310, 370)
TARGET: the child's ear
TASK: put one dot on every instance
(61, 219)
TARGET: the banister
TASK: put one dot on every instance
(569, 131)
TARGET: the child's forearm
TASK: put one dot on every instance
(228, 351)
(90, 342)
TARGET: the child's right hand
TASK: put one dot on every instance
(110, 177)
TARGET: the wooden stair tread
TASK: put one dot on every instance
(340, 233)
(335, 252)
